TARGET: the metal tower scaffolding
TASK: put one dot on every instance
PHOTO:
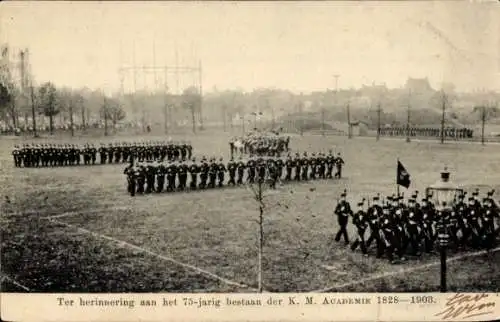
(137, 71)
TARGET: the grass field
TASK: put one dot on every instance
(76, 230)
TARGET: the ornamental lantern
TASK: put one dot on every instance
(443, 192)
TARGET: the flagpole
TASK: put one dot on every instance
(397, 174)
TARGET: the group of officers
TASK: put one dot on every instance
(261, 145)
(157, 176)
(53, 155)
(397, 228)
(449, 132)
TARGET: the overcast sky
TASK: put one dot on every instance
(291, 45)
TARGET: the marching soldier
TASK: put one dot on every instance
(313, 164)
(161, 171)
(279, 168)
(339, 162)
(221, 169)
(130, 173)
(231, 167)
(182, 170)
(360, 221)
(298, 166)
(140, 178)
(305, 167)
(16, 153)
(205, 168)
(212, 173)
(413, 225)
(374, 214)
(150, 176)
(289, 164)
(194, 169)
(251, 166)
(330, 162)
(343, 211)
(241, 170)
(103, 153)
(171, 175)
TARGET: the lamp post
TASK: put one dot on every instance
(443, 197)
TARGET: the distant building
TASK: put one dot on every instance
(418, 85)
(359, 128)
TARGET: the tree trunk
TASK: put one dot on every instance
(83, 117)
(51, 124)
(194, 119)
(13, 113)
(261, 236)
(71, 118)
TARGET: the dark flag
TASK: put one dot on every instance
(403, 177)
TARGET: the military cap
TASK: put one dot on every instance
(476, 192)
(344, 193)
(490, 193)
(471, 198)
(377, 197)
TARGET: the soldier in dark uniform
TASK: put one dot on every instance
(373, 216)
(273, 173)
(413, 225)
(189, 150)
(182, 169)
(103, 153)
(304, 163)
(330, 162)
(231, 167)
(241, 170)
(289, 165)
(150, 176)
(212, 173)
(204, 169)
(298, 166)
(221, 169)
(130, 173)
(183, 149)
(194, 169)
(251, 166)
(343, 211)
(321, 166)
(140, 178)
(261, 169)
(313, 165)
(388, 234)
(279, 168)
(171, 175)
(361, 222)
(490, 214)
(16, 153)
(428, 217)
(118, 154)
(93, 153)
(339, 162)
(111, 152)
(161, 171)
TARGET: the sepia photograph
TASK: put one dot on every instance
(249, 147)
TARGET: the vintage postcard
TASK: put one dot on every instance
(250, 161)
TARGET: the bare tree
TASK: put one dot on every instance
(486, 113)
(48, 103)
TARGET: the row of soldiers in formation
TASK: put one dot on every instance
(260, 145)
(400, 228)
(449, 132)
(52, 155)
(150, 176)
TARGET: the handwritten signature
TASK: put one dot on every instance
(465, 306)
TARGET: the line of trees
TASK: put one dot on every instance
(63, 107)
